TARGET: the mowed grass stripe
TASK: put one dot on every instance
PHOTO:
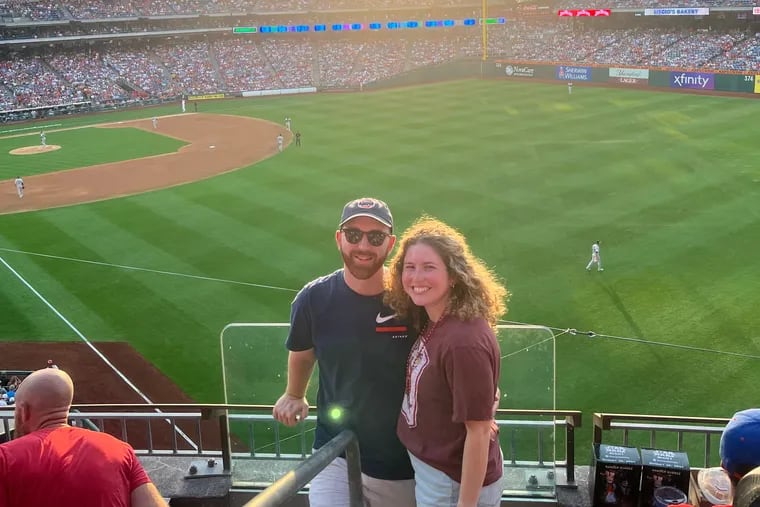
(108, 303)
(82, 147)
(25, 317)
(106, 284)
(251, 248)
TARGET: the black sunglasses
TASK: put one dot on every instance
(354, 236)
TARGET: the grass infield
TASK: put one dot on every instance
(81, 147)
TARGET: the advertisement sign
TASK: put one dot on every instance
(629, 73)
(581, 13)
(757, 84)
(756, 11)
(692, 80)
(569, 73)
(519, 71)
(210, 96)
(629, 81)
(678, 11)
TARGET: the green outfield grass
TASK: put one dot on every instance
(81, 147)
(669, 183)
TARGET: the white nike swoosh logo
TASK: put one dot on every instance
(380, 319)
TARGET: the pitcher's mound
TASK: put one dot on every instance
(33, 150)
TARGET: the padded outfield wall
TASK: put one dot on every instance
(690, 80)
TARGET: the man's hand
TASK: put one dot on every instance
(290, 410)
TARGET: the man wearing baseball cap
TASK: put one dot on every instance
(340, 322)
(740, 444)
(737, 478)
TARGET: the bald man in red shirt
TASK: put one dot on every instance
(51, 463)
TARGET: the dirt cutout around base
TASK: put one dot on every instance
(34, 150)
(95, 382)
(217, 144)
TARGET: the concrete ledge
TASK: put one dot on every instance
(168, 474)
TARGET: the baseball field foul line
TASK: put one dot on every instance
(97, 352)
(148, 270)
(36, 128)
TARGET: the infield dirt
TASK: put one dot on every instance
(216, 144)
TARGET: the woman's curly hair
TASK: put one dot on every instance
(476, 291)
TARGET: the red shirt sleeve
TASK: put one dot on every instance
(470, 373)
(137, 474)
(4, 502)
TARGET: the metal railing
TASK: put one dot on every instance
(676, 426)
(291, 483)
(191, 416)
(568, 420)
(151, 418)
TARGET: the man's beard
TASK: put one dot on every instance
(364, 271)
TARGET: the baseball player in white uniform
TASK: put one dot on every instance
(596, 258)
(287, 123)
(280, 140)
(43, 138)
(155, 122)
(19, 187)
(569, 87)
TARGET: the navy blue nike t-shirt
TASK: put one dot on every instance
(361, 350)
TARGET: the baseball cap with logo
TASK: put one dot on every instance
(740, 443)
(367, 207)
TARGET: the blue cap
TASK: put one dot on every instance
(740, 443)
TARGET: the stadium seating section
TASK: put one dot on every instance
(215, 61)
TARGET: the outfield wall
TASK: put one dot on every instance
(690, 80)
(639, 77)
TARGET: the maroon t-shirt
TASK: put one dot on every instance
(451, 378)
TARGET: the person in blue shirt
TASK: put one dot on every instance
(339, 322)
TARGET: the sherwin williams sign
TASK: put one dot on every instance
(568, 73)
(692, 80)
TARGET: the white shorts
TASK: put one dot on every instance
(330, 489)
(436, 489)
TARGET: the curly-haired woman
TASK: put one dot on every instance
(452, 374)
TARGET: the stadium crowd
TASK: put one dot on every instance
(162, 69)
(652, 4)
(8, 388)
(52, 10)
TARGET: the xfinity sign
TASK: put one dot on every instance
(692, 80)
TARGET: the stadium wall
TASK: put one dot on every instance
(686, 80)
(642, 77)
